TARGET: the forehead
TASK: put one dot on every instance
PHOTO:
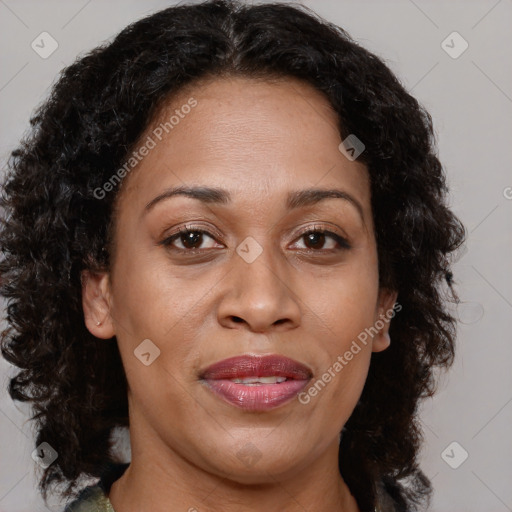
(257, 138)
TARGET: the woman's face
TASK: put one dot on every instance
(252, 284)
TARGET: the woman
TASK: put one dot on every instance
(228, 232)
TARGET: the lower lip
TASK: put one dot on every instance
(261, 397)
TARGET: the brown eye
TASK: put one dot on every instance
(317, 239)
(189, 239)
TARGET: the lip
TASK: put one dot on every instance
(259, 397)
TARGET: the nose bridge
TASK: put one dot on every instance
(259, 266)
(259, 293)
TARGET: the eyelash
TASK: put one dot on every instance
(342, 242)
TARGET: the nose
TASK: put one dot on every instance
(259, 295)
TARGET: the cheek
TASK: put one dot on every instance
(161, 303)
(345, 302)
(331, 397)
(151, 297)
(344, 309)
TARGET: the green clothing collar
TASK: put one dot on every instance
(91, 499)
(94, 498)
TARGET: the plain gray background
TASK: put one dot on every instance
(470, 99)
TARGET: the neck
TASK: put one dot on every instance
(158, 477)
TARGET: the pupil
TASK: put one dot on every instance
(316, 239)
(191, 239)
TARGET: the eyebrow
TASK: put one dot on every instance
(295, 199)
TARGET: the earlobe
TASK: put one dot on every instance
(385, 312)
(96, 304)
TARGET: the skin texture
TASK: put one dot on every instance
(259, 141)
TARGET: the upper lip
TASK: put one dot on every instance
(257, 366)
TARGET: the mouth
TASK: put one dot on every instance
(256, 383)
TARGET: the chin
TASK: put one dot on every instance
(259, 472)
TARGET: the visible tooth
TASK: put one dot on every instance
(260, 380)
(246, 380)
(271, 380)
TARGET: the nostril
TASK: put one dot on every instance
(237, 319)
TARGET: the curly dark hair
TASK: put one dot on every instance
(54, 227)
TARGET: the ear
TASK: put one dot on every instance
(96, 303)
(385, 312)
